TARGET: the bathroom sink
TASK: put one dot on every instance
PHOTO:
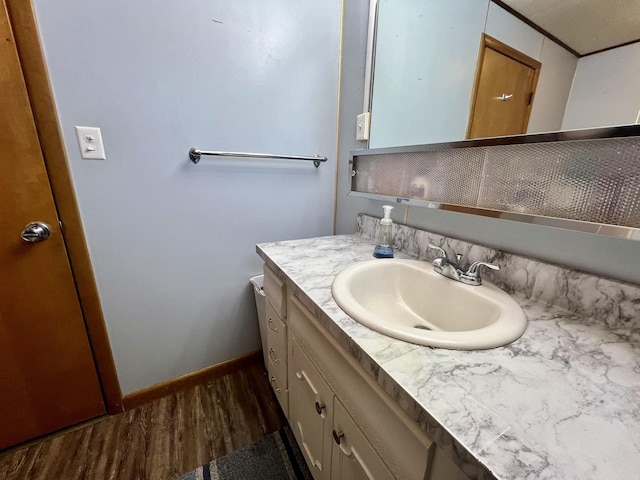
(408, 300)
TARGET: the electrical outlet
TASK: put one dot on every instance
(90, 143)
(362, 126)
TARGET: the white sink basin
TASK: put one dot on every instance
(407, 300)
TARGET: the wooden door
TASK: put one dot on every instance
(505, 86)
(48, 378)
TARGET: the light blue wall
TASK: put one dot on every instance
(172, 243)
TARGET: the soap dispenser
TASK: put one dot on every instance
(384, 245)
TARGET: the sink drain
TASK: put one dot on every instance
(422, 327)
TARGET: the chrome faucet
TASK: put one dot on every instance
(454, 271)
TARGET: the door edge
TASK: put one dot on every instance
(25, 30)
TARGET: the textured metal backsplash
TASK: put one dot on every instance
(588, 180)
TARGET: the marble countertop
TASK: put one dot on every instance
(562, 402)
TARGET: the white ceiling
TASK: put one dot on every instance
(584, 25)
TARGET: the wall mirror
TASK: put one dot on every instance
(426, 60)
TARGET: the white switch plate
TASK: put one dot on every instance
(90, 143)
(362, 126)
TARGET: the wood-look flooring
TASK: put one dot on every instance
(159, 440)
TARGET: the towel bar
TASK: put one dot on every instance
(195, 154)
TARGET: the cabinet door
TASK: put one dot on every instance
(310, 412)
(353, 458)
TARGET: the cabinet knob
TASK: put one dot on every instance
(337, 437)
(272, 325)
(273, 382)
(320, 408)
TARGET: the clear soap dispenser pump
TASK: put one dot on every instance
(384, 245)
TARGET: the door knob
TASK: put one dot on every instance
(36, 232)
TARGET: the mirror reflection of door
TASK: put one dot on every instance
(504, 89)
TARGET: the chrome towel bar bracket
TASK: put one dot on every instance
(195, 155)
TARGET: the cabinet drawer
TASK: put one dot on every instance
(276, 344)
(282, 394)
(275, 291)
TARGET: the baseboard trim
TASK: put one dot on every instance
(159, 390)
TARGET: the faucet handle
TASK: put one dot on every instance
(472, 275)
(441, 252)
(475, 267)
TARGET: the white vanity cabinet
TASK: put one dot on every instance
(276, 310)
(329, 392)
(332, 444)
(347, 426)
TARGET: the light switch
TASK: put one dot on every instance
(90, 142)
(362, 126)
